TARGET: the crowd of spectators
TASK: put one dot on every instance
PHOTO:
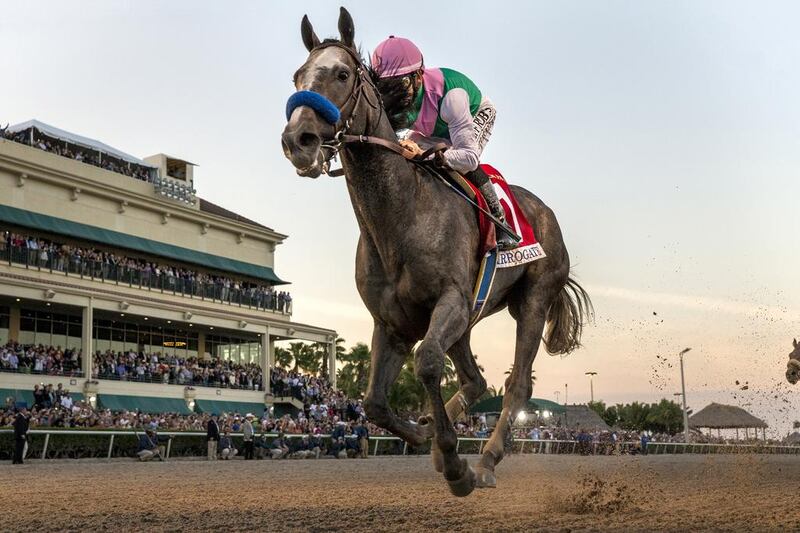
(107, 265)
(37, 139)
(174, 370)
(40, 359)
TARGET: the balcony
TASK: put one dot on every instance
(226, 292)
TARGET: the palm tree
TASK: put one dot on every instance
(306, 357)
(352, 377)
(323, 349)
(283, 357)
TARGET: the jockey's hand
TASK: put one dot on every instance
(412, 147)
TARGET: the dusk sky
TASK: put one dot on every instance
(664, 135)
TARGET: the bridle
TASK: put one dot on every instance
(361, 87)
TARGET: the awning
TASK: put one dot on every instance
(74, 138)
(26, 396)
(224, 406)
(29, 219)
(495, 405)
(145, 404)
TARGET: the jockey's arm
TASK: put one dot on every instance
(464, 156)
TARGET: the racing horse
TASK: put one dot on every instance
(417, 260)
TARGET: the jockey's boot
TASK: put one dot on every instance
(504, 240)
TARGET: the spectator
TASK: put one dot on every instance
(278, 449)
(212, 436)
(338, 448)
(148, 446)
(227, 449)
(362, 434)
(249, 435)
(21, 424)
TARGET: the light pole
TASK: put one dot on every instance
(566, 392)
(683, 392)
(591, 384)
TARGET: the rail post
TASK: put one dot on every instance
(405, 447)
(169, 447)
(46, 442)
(110, 446)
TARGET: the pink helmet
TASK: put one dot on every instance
(396, 56)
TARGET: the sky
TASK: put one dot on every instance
(664, 135)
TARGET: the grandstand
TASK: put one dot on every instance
(103, 252)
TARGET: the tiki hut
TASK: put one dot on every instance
(719, 416)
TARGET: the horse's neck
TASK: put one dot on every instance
(382, 187)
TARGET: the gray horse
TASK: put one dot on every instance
(417, 261)
(793, 366)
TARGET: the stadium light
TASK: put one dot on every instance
(522, 416)
(683, 390)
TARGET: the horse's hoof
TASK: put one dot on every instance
(484, 478)
(425, 426)
(465, 485)
(437, 458)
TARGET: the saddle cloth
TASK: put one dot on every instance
(529, 249)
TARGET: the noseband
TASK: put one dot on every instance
(334, 115)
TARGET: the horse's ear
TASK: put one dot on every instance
(310, 38)
(794, 343)
(346, 28)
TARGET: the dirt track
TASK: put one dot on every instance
(677, 493)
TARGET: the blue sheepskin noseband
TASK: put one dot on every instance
(326, 109)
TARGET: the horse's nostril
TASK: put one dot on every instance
(308, 139)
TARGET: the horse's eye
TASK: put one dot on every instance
(343, 75)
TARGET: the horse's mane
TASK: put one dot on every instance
(394, 96)
(391, 89)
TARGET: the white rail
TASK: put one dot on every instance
(524, 445)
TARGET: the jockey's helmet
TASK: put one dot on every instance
(396, 56)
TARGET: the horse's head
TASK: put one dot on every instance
(330, 86)
(793, 366)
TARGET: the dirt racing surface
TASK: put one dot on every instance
(556, 493)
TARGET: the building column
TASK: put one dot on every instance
(263, 361)
(13, 324)
(86, 340)
(332, 363)
(201, 345)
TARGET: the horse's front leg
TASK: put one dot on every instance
(449, 321)
(389, 352)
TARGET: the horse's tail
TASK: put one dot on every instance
(566, 317)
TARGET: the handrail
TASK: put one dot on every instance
(57, 262)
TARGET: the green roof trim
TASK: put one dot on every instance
(495, 405)
(225, 406)
(29, 219)
(145, 404)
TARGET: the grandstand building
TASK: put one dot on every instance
(120, 255)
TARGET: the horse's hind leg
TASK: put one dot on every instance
(448, 323)
(529, 309)
(472, 386)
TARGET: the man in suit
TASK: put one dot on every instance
(21, 424)
(249, 436)
(212, 436)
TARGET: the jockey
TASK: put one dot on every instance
(434, 105)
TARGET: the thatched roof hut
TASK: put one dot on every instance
(793, 439)
(719, 416)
